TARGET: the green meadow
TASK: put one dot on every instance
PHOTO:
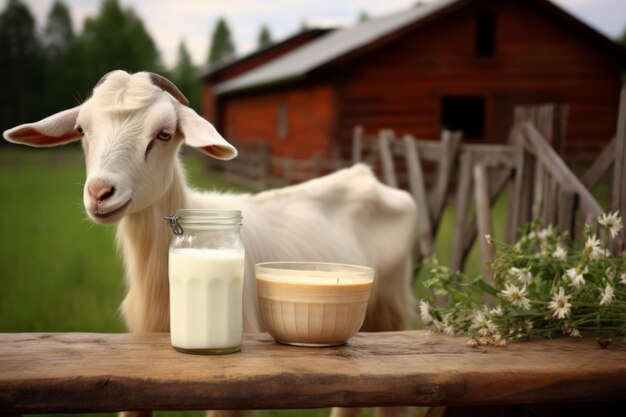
(59, 272)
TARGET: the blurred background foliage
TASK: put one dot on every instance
(45, 71)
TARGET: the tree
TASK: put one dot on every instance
(62, 69)
(20, 71)
(363, 16)
(185, 77)
(622, 41)
(265, 37)
(59, 32)
(303, 26)
(117, 39)
(222, 47)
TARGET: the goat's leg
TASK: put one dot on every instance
(393, 411)
(345, 412)
(136, 414)
(231, 413)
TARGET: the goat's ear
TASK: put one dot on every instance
(51, 131)
(202, 135)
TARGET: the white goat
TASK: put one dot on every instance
(131, 129)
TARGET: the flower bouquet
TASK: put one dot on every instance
(545, 284)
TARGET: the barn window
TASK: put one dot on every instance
(281, 121)
(485, 34)
(464, 113)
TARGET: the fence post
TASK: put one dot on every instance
(357, 144)
(316, 165)
(450, 142)
(462, 205)
(619, 170)
(483, 219)
(418, 191)
(389, 171)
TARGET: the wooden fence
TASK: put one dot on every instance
(256, 168)
(539, 183)
(530, 168)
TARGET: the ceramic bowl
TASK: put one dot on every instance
(313, 303)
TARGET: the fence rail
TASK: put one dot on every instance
(257, 168)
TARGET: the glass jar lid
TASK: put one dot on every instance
(203, 218)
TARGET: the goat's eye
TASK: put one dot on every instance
(164, 135)
(79, 129)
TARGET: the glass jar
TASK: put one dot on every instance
(206, 276)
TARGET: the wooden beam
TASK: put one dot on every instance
(79, 372)
(558, 170)
(600, 166)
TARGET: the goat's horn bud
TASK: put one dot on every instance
(168, 86)
(104, 77)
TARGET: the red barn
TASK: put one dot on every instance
(457, 64)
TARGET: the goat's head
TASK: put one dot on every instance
(131, 128)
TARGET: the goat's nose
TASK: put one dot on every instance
(100, 190)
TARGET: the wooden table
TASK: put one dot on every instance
(76, 372)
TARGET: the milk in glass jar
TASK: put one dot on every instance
(206, 268)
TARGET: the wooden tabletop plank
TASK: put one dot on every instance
(75, 372)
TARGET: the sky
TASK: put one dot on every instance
(170, 21)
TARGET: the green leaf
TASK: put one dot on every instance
(484, 286)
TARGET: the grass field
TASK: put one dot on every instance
(59, 271)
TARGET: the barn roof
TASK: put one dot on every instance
(328, 48)
(217, 68)
(300, 61)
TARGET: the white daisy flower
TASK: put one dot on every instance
(438, 325)
(607, 295)
(478, 319)
(593, 248)
(560, 304)
(448, 324)
(612, 222)
(483, 326)
(576, 276)
(559, 253)
(425, 312)
(516, 296)
(498, 341)
(522, 274)
(610, 273)
(544, 233)
(622, 278)
(497, 311)
(488, 239)
(575, 333)
(528, 326)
